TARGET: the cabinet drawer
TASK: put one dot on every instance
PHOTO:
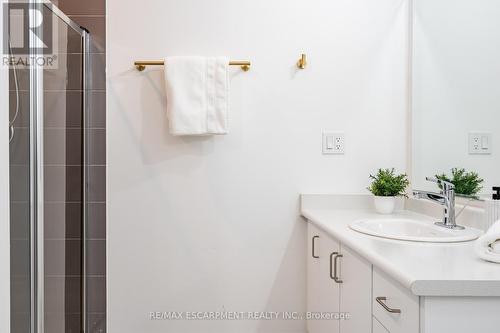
(395, 307)
(377, 327)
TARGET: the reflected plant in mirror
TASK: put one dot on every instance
(467, 183)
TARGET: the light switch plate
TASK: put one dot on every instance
(479, 143)
(333, 143)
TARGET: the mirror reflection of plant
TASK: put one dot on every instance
(386, 183)
(466, 182)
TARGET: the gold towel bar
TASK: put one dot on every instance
(141, 65)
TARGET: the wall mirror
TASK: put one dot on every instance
(456, 91)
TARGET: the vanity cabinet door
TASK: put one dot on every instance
(313, 275)
(323, 293)
(355, 292)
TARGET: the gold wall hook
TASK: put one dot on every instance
(302, 63)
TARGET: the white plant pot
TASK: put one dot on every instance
(385, 205)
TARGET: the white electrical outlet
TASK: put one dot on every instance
(479, 143)
(333, 143)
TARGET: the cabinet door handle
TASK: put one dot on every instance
(335, 264)
(333, 274)
(313, 250)
(381, 301)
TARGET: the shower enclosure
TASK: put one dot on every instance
(48, 171)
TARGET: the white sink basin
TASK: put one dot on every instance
(413, 230)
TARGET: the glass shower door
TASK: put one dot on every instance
(64, 178)
(47, 180)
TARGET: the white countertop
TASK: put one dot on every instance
(427, 269)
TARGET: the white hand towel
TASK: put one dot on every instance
(487, 247)
(197, 95)
(492, 212)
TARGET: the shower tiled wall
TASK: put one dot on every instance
(19, 205)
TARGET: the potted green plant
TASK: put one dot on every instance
(386, 186)
(466, 183)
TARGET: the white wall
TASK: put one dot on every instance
(456, 87)
(212, 223)
(4, 195)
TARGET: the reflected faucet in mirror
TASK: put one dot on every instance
(445, 198)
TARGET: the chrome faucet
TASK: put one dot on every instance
(446, 198)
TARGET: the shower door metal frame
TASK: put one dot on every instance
(36, 185)
(85, 159)
(36, 167)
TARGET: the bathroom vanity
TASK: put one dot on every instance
(383, 285)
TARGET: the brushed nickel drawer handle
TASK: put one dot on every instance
(314, 247)
(381, 300)
(335, 276)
